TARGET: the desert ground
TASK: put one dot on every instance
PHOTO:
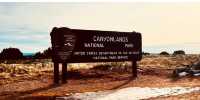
(33, 79)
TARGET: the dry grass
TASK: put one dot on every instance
(100, 76)
(37, 67)
(168, 62)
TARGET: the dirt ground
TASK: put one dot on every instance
(152, 72)
(41, 87)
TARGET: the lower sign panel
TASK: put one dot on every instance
(73, 45)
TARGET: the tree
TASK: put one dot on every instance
(47, 53)
(164, 53)
(11, 54)
(179, 52)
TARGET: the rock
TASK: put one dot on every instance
(193, 70)
(197, 74)
(181, 74)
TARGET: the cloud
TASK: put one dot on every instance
(167, 24)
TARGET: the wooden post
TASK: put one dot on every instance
(64, 72)
(56, 73)
(134, 69)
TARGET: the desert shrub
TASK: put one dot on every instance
(114, 66)
(38, 55)
(179, 52)
(1, 61)
(46, 54)
(103, 67)
(11, 54)
(11, 61)
(145, 53)
(164, 53)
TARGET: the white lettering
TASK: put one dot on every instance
(109, 39)
(96, 45)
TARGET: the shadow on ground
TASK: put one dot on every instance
(20, 95)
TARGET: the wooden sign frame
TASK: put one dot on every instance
(76, 46)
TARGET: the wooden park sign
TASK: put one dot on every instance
(75, 46)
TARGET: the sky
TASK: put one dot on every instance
(164, 26)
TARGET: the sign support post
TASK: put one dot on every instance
(56, 73)
(134, 69)
(64, 72)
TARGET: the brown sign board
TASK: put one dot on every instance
(75, 45)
